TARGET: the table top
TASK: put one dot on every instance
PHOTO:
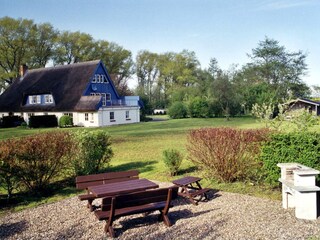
(186, 180)
(112, 189)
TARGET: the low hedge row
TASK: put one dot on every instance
(229, 155)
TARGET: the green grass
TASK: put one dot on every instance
(139, 146)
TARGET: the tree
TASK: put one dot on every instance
(119, 63)
(42, 46)
(15, 42)
(73, 47)
(147, 73)
(276, 66)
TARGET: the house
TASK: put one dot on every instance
(301, 103)
(84, 91)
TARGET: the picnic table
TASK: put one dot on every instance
(117, 188)
(191, 189)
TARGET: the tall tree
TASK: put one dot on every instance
(276, 66)
(73, 47)
(43, 43)
(147, 73)
(15, 42)
(118, 62)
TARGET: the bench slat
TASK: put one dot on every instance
(133, 203)
(103, 215)
(199, 192)
(86, 197)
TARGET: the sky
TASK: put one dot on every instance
(227, 30)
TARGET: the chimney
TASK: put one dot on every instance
(23, 70)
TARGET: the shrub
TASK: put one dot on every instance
(300, 147)
(65, 121)
(11, 121)
(198, 108)
(35, 160)
(172, 159)
(177, 110)
(43, 121)
(8, 178)
(226, 154)
(92, 152)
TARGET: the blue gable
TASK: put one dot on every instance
(101, 84)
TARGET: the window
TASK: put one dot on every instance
(104, 99)
(112, 117)
(48, 98)
(91, 117)
(108, 97)
(105, 79)
(127, 115)
(86, 116)
(94, 79)
(68, 114)
(34, 99)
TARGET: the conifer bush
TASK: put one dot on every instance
(172, 159)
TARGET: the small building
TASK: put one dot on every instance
(83, 91)
(300, 103)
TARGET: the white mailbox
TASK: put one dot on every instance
(299, 189)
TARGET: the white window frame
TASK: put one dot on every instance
(127, 115)
(86, 116)
(112, 119)
(48, 98)
(91, 117)
(94, 80)
(104, 99)
(35, 99)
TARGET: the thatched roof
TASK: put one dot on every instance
(66, 83)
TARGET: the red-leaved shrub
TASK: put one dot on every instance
(35, 160)
(226, 154)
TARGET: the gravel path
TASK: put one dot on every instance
(225, 216)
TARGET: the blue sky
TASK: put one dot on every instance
(224, 29)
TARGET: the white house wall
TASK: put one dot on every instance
(95, 119)
(119, 116)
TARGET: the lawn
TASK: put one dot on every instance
(139, 146)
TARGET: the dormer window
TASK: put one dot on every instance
(48, 99)
(99, 78)
(34, 99)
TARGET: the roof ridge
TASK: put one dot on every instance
(64, 66)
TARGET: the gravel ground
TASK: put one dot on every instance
(225, 216)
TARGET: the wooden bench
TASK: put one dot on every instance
(83, 182)
(138, 202)
(191, 189)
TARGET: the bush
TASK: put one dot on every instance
(303, 148)
(11, 121)
(65, 121)
(177, 110)
(172, 159)
(93, 151)
(8, 177)
(43, 121)
(226, 154)
(35, 160)
(198, 108)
